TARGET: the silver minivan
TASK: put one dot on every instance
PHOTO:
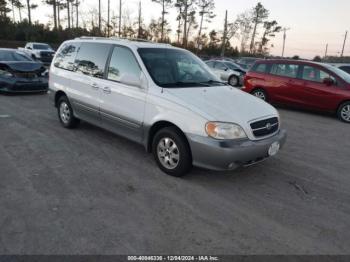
(166, 99)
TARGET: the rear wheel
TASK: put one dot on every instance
(259, 93)
(233, 81)
(65, 113)
(344, 112)
(171, 152)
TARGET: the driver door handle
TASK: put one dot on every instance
(107, 90)
(94, 86)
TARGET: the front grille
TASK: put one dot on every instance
(26, 75)
(46, 54)
(265, 127)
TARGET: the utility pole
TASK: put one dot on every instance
(325, 54)
(140, 20)
(77, 13)
(99, 16)
(346, 35)
(108, 17)
(284, 39)
(120, 18)
(223, 48)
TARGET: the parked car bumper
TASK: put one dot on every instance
(23, 85)
(228, 155)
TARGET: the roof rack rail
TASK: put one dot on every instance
(130, 39)
(121, 39)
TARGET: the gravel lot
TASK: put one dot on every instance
(88, 191)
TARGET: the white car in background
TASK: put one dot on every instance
(226, 71)
(39, 51)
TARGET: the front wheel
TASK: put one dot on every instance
(233, 81)
(171, 152)
(259, 93)
(65, 113)
(344, 112)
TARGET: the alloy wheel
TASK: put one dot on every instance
(168, 153)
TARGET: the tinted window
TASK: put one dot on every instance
(311, 73)
(123, 62)
(8, 55)
(287, 70)
(91, 59)
(66, 56)
(345, 69)
(260, 68)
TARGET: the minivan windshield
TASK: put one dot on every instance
(174, 68)
(342, 74)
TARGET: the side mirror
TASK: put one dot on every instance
(226, 69)
(328, 81)
(131, 80)
(29, 48)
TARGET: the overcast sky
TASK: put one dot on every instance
(312, 23)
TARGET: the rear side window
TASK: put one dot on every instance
(123, 62)
(65, 57)
(345, 68)
(91, 59)
(288, 70)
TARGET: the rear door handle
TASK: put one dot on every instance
(94, 86)
(107, 90)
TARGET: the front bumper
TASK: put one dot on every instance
(228, 155)
(18, 85)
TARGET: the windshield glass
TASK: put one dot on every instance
(41, 47)
(342, 74)
(177, 68)
(12, 56)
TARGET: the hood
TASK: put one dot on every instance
(223, 104)
(23, 66)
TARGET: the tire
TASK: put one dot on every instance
(344, 112)
(171, 152)
(260, 93)
(233, 81)
(65, 113)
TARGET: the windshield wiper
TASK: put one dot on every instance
(210, 82)
(186, 84)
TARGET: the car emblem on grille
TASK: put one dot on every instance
(268, 126)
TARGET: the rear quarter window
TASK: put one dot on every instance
(66, 56)
(92, 58)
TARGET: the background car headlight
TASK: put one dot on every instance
(219, 130)
(4, 73)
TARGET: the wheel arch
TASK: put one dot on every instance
(341, 103)
(58, 95)
(152, 131)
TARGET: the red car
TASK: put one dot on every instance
(302, 84)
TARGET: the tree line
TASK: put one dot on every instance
(252, 29)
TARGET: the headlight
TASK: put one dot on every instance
(219, 130)
(5, 73)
